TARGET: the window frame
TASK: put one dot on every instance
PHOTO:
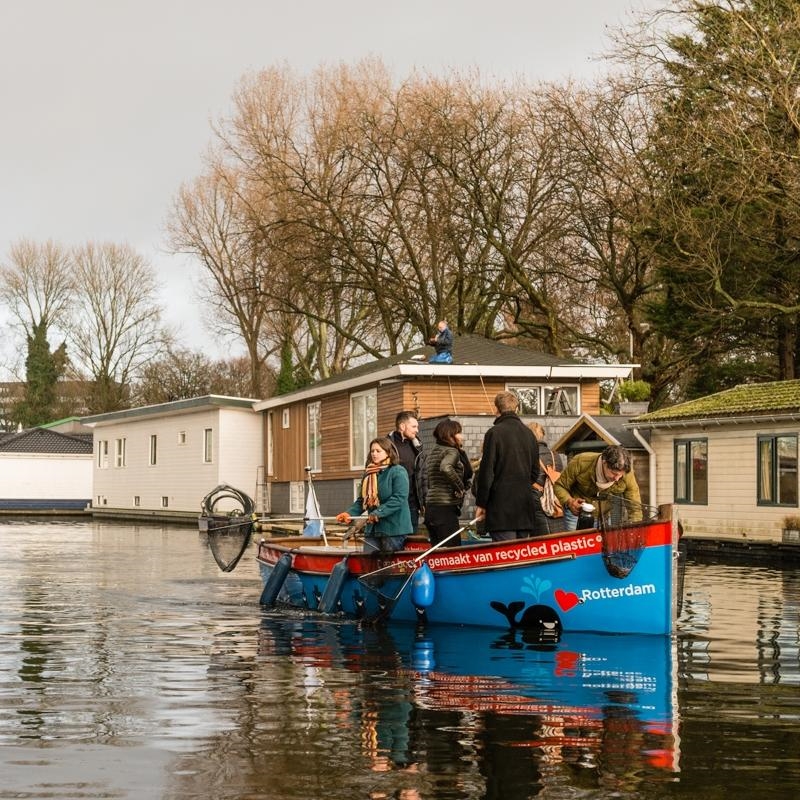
(208, 445)
(297, 497)
(684, 472)
(543, 393)
(360, 439)
(152, 456)
(102, 453)
(314, 435)
(121, 452)
(775, 471)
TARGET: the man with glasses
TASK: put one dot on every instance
(606, 481)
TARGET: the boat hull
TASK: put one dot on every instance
(551, 584)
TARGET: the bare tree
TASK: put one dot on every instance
(181, 374)
(608, 266)
(36, 284)
(116, 327)
(210, 222)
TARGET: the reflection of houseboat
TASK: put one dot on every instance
(590, 699)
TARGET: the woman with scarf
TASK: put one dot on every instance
(606, 481)
(383, 498)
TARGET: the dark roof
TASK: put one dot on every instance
(172, 407)
(757, 399)
(41, 440)
(467, 349)
(595, 432)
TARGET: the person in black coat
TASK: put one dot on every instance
(409, 449)
(509, 468)
(449, 478)
(543, 524)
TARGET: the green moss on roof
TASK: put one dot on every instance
(746, 399)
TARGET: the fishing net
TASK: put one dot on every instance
(624, 531)
(382, 584)
(228, 532)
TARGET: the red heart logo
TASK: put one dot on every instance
(566, 600)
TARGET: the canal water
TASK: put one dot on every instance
(131, 667)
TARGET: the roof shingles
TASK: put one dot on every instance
(42, 440)
(781, 397)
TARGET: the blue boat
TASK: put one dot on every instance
(609, 579)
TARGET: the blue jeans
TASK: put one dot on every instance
(570, 520)
(383, 544)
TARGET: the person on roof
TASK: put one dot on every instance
(443, 343)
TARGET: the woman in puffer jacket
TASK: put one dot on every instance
(449, 478)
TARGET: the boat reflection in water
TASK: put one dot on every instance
(589, 710)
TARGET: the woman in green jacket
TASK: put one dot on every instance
(383, 498)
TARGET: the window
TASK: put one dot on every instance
(297, 495)
(691, 471)
(547, 400)
(314, 412)
(285, 418)
(153, 450)
(164, 501)
(119, 452)
(529, 397)
(102, 453)
(777, 470)
(137, 500)
(363, 425)
(560, 401)
(270, 440)
(208, 445)
(181, 437)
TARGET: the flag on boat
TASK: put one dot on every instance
(314, 524)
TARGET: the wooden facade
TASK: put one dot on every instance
(462, 391)
(428, 399)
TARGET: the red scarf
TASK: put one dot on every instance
(369, 486)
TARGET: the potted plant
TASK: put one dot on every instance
(791, 528)
(634, 397)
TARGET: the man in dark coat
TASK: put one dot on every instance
(509, 467)
(409, 449)
(443, 342)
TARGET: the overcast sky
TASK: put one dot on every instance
(107, 104)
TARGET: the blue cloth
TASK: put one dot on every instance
(441, 358)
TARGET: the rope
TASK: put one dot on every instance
(486, 394)
(452, 397)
